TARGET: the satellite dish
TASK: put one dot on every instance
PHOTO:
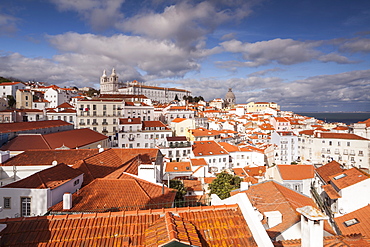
(54, 163)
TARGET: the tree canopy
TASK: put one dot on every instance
(179, 186)
(192, 99)
(224, 184)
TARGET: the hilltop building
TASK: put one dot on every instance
(111, 85)
(230, 99)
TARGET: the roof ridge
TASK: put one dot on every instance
(46, 142)
(42, 181)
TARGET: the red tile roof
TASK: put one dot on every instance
(331, 192)
(148, 124)
(272, 196)
(176, 138)
(340, 136)
(103, 195)
(198, 162)
(130, 120)
(192, 185)
(178, 167)
(354, 240)
(115, 160)
(178, 120)
(52, 178)
(329, 169)
(75, 138)
(362, 226)
(201, 148)
(26, 142)
(348, 178)
(215, 226)
(296, 172)
(46, 157)
(22, 126)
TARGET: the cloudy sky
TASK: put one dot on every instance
(306, 55)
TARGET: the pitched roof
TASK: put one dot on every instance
(201, 148)
(74, 138)
(198, 162)
(340, 136)
(115, 160)
(130, 120)
(296, 172)
(70, 138)
(355, 222)
(52, 178)
(178, 120)
(176, 138)
(34, 125)
(215, 226)
(348, 178)
(26, 142)
(329, 169)
(272, 196)
(353, 240)
(178, 167)
(148, 124)
(125, 193)
(46, 157)
(65, 105)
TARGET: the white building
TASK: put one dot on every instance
(287, 147)
(159, 94)
(347, 191)
(176, 148)
(215, 155)
(349, 149)
(180, 126)
(10, 88)
(56, 96)
(134, 133)
(33, 195)
(109, 84)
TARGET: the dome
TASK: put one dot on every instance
(230, 95)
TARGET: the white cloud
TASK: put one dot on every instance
(282, 51)
(355, 45)
(100, 14)
(8, 24)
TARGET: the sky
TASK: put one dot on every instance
(306, 55)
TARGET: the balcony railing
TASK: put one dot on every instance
(104, 123)
(94, 123)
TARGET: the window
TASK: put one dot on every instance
(351, 222)
(76, 182)
(25, 206)
(94, 107)
(330, 143)
(7, 202)
(348, 144)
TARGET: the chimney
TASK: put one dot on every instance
(4, 156)
(312, 226)
(67, 201)
(274, 218)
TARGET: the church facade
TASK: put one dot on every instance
(111, 85)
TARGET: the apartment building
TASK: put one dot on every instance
(286, 150)
(10, 88)
(134, 133)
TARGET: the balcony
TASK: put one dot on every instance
(131, 138)
(81, 123)
(94, 123)
(105, 123)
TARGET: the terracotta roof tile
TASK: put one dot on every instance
(178, 120)
(329, 169)
(51, 178)
(70, 138)
(198, 162)
(201, 148)
(272, 196)
(331, 192)
(192, 185)
(296, 172)
(26, 142)
(340, 136)
(178, 167)
(22, 126)
(112, 160)
(348, 178)
(74, 138)
(138, 194)
(355, 222)
(130, 120)
(46, 157)
(353, 240)
(215, 226)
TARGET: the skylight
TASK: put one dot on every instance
(351, 222)
(340, 176)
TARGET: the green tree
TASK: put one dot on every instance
(177, 98)
(11, 101)
(224, 183)
(181, 191)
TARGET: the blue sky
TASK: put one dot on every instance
(304, 55)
